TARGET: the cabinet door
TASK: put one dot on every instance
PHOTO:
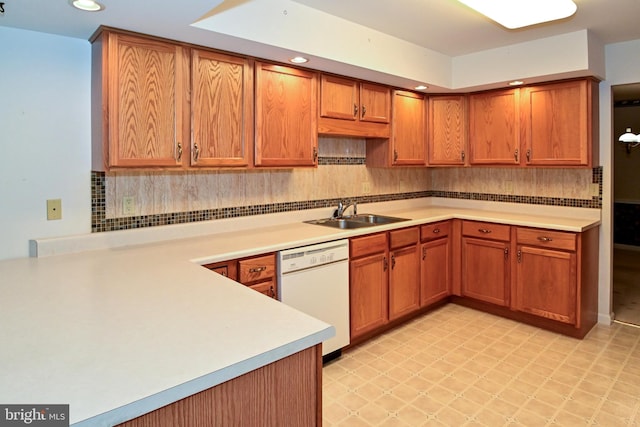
(339, 98)
(268, 288)
(409, 129)
(546, 282)
(375, 103)
(435, 270)
(147, 80)
(494, 128)
(404, 282)
(557, 124)
(485, 270)
(221, 109)
(368, 293)
(447, 130)
(286, 116)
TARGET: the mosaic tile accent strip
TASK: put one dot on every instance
(323, 161)
(99, 222)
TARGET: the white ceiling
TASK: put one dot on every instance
(443, 26)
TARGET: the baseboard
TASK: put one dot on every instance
(626, 247)
(606, 319)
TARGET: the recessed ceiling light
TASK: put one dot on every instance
(88, 5)
(299, 60)
(421, 87)
(516, 83)
(522, 13)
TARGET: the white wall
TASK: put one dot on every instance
(45, 138)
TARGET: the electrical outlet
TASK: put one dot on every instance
(54, 209)
(595, 190)
(366, 187)
(128, 205)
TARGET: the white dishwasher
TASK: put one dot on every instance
(315, 280)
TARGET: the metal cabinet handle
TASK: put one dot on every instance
(272, 293)
(519, 256)
(528, 155)
(393, 261)
(463, 155)
(179, 156)
(515, 155)
(424, 253)
(196, 152)
(395, 156)
(385, 264)
(506, 253)
(364, 111)
(257, 269)
(484, 230)
(545, 239)
(355, 110)
(436, 230)
(315, 154)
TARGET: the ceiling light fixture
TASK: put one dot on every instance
(87, 5)
(522, 13)
(421, 87)
(516, 83)
(632, 140)
(299, 60)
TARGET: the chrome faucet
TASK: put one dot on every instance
(338, 213)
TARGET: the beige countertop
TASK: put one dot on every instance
(118, 324)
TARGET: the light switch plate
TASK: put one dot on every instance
(595, 190)
(54, 209)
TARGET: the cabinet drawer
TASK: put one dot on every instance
(546, 238)
(404, 237)
(435, 230)
(267, 287)
(258, 268)
(486, 230)
(226, 269)
(371, 244)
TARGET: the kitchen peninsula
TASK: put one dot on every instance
(119, 324)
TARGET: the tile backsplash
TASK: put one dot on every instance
(161, 197)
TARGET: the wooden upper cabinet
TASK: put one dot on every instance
(286, 116)
(494, 128)
(558, 123)
(221, 110)
(352, 108)
(408, 143)
(139, 98)
(447, 142)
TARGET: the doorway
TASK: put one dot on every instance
(626, 206)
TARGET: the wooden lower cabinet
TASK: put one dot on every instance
(404, 272)
(486, 270)
(258, 272)
(435, 263)
(285, 393)
(369, 284)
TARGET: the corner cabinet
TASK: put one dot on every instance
(286, 102)
(139, 91)
(257, 273)
(408, 143)
(447, 142)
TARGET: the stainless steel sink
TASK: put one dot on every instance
(356, 221)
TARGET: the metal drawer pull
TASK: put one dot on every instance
(484, 230)
(436, 230)
(257, 269)
(545, 239)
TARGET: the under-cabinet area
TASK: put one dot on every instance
(163, 104)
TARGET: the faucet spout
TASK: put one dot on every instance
(342, 208)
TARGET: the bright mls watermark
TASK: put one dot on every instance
(34, 415)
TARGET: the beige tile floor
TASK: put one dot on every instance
(460, 367)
